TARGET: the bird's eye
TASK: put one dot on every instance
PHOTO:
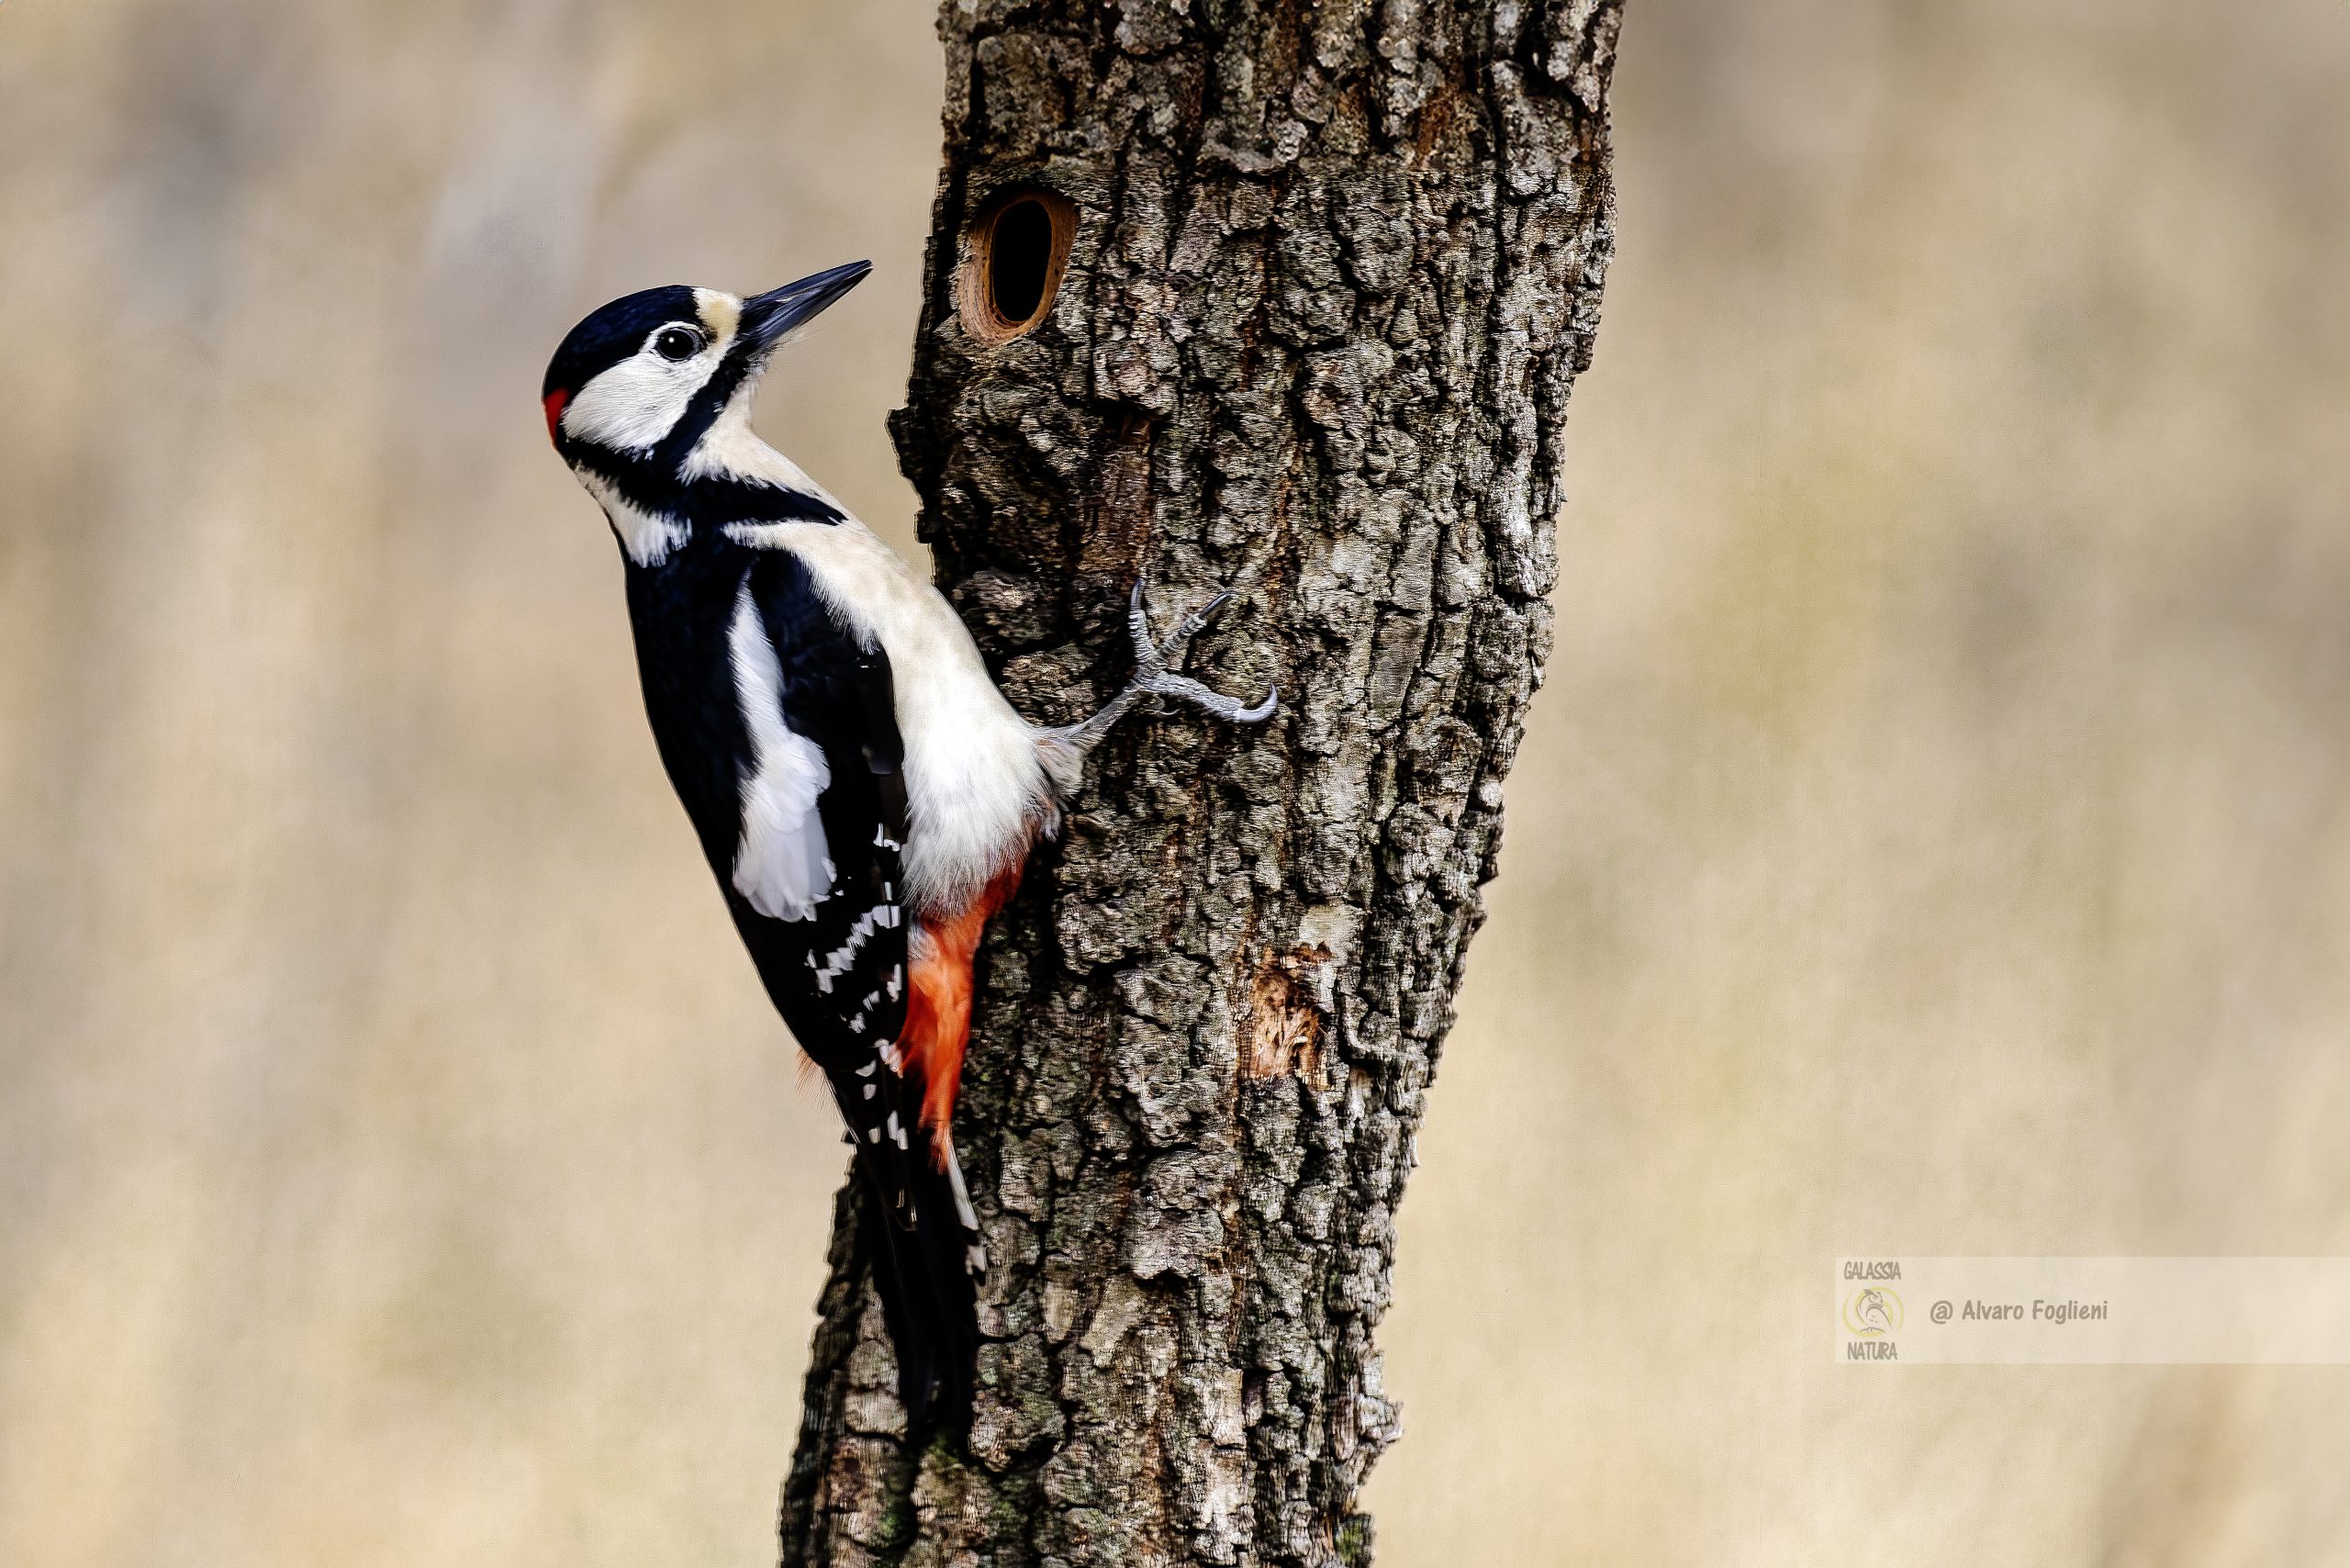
(678, 343)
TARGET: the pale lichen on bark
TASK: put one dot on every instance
(1336, 269)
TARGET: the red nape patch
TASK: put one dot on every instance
(555, 401)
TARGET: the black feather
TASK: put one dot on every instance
(839, 978)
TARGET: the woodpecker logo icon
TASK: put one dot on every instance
(1873, 1312)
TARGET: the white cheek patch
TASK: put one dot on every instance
(631, 406)
(781, 866)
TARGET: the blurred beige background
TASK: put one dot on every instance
(1935, 836)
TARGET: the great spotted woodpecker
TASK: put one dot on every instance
(865, 794)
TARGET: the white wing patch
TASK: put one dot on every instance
(781, 866)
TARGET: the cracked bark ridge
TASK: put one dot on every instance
(1334, 270)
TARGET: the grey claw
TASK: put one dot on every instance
(1154, 675)
(1146, 657)
(1211, 701)
(1153, 679)
(1151, 656)
(1200, 619)
(1262, 711)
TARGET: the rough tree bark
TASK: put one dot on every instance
(1332, 270)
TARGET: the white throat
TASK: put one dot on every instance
(731, 449)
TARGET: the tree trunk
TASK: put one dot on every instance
(1286, 296)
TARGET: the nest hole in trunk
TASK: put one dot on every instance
(1013, 255)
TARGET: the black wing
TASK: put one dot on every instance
(839, 978)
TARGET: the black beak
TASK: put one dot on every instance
(769, 317)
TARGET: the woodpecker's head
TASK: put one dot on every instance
(649, 400)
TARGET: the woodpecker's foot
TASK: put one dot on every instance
(1154, 677)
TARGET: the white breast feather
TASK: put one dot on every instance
(781, 866)
(976, 790)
